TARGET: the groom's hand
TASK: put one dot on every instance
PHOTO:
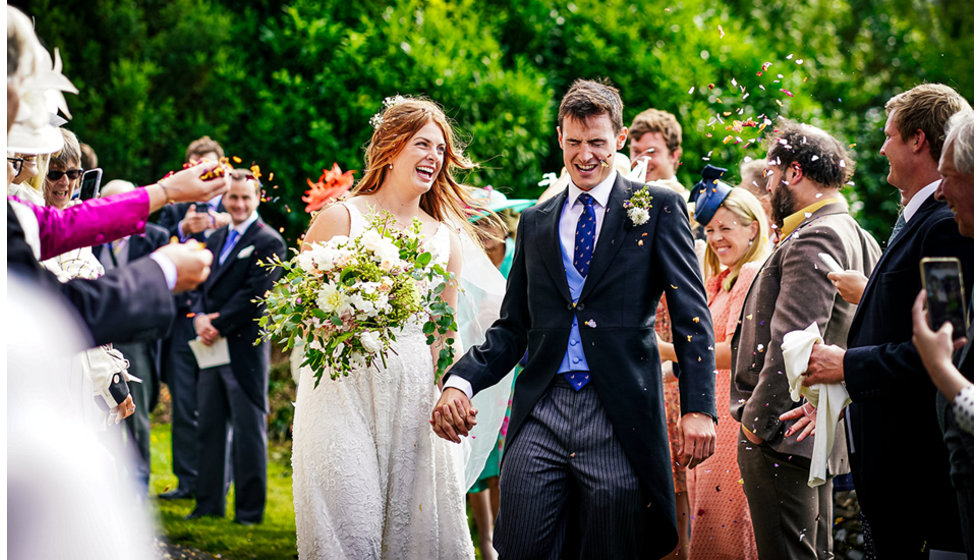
(453, 415)
(697, 439)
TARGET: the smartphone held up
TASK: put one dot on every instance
(942, 278)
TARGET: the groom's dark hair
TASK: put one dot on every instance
(587, 98)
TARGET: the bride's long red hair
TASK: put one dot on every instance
(447, 200)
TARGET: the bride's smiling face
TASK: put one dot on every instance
(420, 161)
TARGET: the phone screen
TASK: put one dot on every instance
(943, 282)
(91, 180)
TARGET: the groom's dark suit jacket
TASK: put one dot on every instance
(632, 266)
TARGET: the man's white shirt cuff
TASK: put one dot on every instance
(457, 382)
(168, 267)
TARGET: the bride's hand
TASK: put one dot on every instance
(453, 415)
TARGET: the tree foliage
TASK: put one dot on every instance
(292, 85)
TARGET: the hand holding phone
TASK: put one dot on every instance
(942, 279)
(91, 180)
(830, 262)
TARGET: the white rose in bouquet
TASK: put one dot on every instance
(372, 239)
(306, 261)
(329, 299)
(371, 341)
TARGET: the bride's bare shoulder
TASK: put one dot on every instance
(330, 222)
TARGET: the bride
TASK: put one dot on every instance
(370, 479)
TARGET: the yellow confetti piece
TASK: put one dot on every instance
(673, 286)
(689, 338)
(697, 319)
(236, 159)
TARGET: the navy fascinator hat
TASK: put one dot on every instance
(709, 193)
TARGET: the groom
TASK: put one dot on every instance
(586, 469)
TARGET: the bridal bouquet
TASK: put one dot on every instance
(348, 297)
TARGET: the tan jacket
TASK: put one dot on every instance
(791, 291)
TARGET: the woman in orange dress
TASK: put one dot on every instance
(733, 218)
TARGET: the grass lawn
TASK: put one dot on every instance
(274, 539)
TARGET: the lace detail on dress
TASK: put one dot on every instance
(370, 478)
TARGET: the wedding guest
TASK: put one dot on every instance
(143, 356)
(104, 364)
(880, 365)
(25, 176)
(752, 173)
(195, 220)
(950, 362)
(88, 159)
(790, 519)
(655, 140)
(735, 225)
(234, 396)
(108, 306)
(655, 144)
(498, 243)
(63, 172)
(199, 219)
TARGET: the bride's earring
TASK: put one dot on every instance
(391, 166)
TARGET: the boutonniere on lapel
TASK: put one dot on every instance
(244, 253)
(638, 207)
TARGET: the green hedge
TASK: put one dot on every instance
(292, 85)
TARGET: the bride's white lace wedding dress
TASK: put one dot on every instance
(370, 478)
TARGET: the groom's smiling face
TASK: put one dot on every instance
(588, 146)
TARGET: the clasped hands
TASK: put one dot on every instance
(205, 330)
(826, 365)
(454, 416)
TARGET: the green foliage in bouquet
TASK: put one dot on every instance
(346, 299)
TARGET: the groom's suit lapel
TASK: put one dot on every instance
(610, 237)
(548, 236)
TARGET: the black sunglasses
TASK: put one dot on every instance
(16, 163)
(73, 174)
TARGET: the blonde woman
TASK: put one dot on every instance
(735, 227)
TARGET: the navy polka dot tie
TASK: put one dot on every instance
(584, 235)
(584, 242)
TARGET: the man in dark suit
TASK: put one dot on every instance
(586, 466)
(233, 397)
(948, 361)
(790, 519)
(901, 472)
(187, 220)
(144, 357)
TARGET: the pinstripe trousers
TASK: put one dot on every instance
(567, 489)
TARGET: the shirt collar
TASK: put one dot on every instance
(794, 220)
(918, 198)
(599, 192)
(214, 202)
(240, 228)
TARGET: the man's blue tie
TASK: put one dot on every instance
(582, 258)
(584, 235)
(229, 243)
(899, 225)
